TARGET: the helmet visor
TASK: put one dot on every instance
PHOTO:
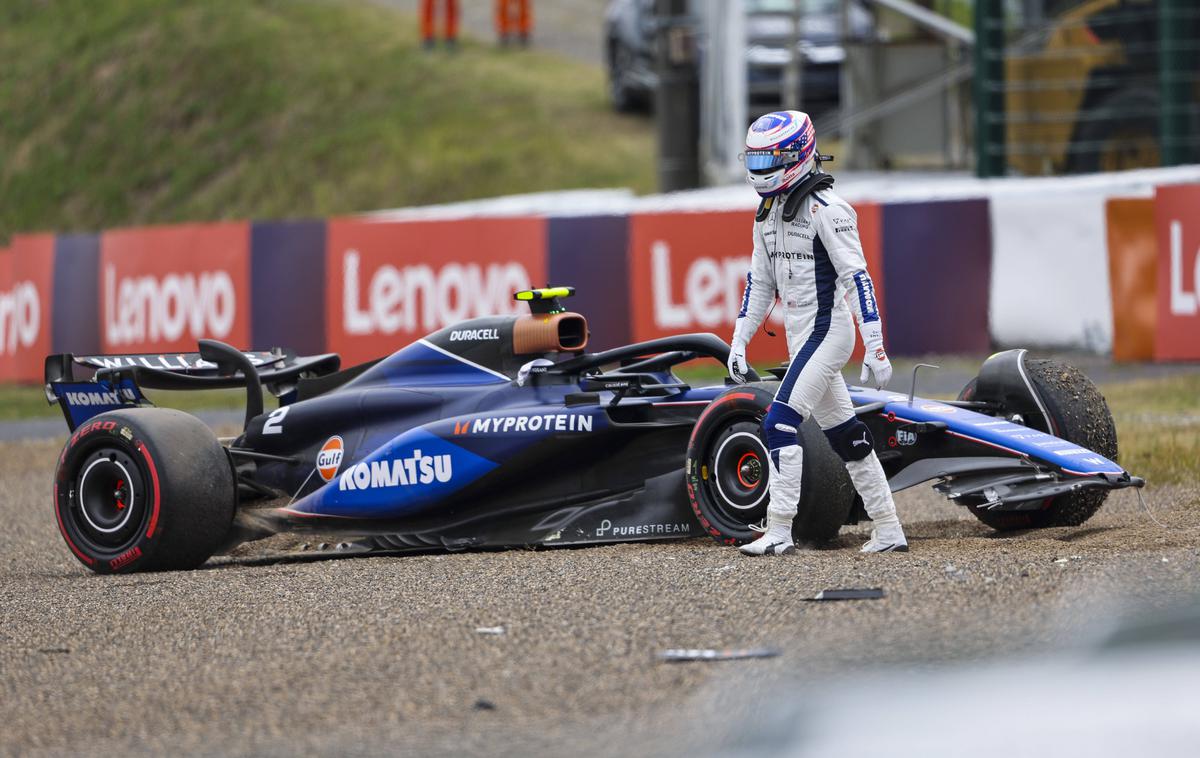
(763, 160)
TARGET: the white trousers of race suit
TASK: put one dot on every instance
(813, 386)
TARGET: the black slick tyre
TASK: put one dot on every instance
(1078, 413)
(728, 472)
(143, 490)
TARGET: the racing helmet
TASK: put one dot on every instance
(781, 149)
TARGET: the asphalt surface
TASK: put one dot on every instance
(268, 655)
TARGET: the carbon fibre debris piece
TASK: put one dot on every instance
(677, 655)
(873, 593)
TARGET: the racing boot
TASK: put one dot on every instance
(871, 484)
(787, 467)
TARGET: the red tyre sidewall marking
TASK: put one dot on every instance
(154, 482)
(704, 522)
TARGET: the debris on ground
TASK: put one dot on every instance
(871, 593)
(731, 654)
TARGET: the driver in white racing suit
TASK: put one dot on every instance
(807, 250)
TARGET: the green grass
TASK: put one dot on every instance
(1158, 427)
(140, 111)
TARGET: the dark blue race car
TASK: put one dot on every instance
(503, 431)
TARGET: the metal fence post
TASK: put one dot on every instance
(988, 90)
(1173, 79)
(677, 101)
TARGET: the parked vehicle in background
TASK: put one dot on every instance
(629, 51)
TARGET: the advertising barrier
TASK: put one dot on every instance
(26, 305)
(287, 277)
(8, 358)
(1177, 333)
(389, 283)
(76, 319)
(687, 272)
(1132, 271)
(936, 266)
(162, 288)
(590, 254)
(952, 276)
(1049, 282)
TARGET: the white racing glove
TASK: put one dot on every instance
(737, 364)
(875, 361)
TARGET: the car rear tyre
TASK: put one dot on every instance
(1078, 413)
(728, 473)
(143, 490)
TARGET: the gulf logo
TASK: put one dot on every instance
(329, 459)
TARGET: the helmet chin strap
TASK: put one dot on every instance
(814, 182)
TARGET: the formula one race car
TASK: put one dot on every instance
(502, 431)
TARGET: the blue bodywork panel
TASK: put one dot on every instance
(472, 421)
(81, 401)
(1006, 436)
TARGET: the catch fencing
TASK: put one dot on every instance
(1074, 87)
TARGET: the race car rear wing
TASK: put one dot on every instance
(88, 385)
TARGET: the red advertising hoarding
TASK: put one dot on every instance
(163, 288)
(1132, 276)
(389, 283)
(8, 368)
(26, 305)
(1177, 226)
(688, 271)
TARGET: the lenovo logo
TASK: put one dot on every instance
(711, 290)
(141, 309)
(1184, 302)
(421, 299)
(20, 318)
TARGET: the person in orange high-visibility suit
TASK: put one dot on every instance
(514, 20)
(428, 30)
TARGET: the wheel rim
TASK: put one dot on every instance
(739, 469)
(107, 499)
(736, 475)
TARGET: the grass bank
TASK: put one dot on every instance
(138, 111)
